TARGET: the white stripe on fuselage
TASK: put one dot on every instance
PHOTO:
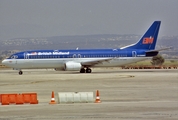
(59, 62)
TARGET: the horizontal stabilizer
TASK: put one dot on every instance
(151, 53)
(159, 49)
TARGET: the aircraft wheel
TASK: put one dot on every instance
(82, 70)
(20, 72)
(88, 70)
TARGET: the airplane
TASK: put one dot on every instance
(85, 59)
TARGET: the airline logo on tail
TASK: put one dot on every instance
(148, 40)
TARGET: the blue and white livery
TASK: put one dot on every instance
(85, 59)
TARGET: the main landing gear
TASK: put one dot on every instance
(87, 70)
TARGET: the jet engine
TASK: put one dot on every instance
(72, 66)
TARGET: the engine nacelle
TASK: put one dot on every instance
(72, 66)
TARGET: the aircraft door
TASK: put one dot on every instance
(79, 56)
(26, 55)
(76, 55)
(134, 54)
(28, 62)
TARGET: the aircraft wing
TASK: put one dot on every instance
(94, 62)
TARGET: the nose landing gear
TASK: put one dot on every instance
(20, 72)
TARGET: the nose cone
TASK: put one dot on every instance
(5, 62)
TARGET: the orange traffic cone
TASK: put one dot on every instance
(97, 97)
(52, 98)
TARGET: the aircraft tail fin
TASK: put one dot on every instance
(148, 40)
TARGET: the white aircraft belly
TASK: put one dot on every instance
(59, 63)
(39, 63)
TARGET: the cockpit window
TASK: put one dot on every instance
(14, 57)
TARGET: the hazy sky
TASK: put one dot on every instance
(39, 18)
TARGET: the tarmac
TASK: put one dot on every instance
(125, 94)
